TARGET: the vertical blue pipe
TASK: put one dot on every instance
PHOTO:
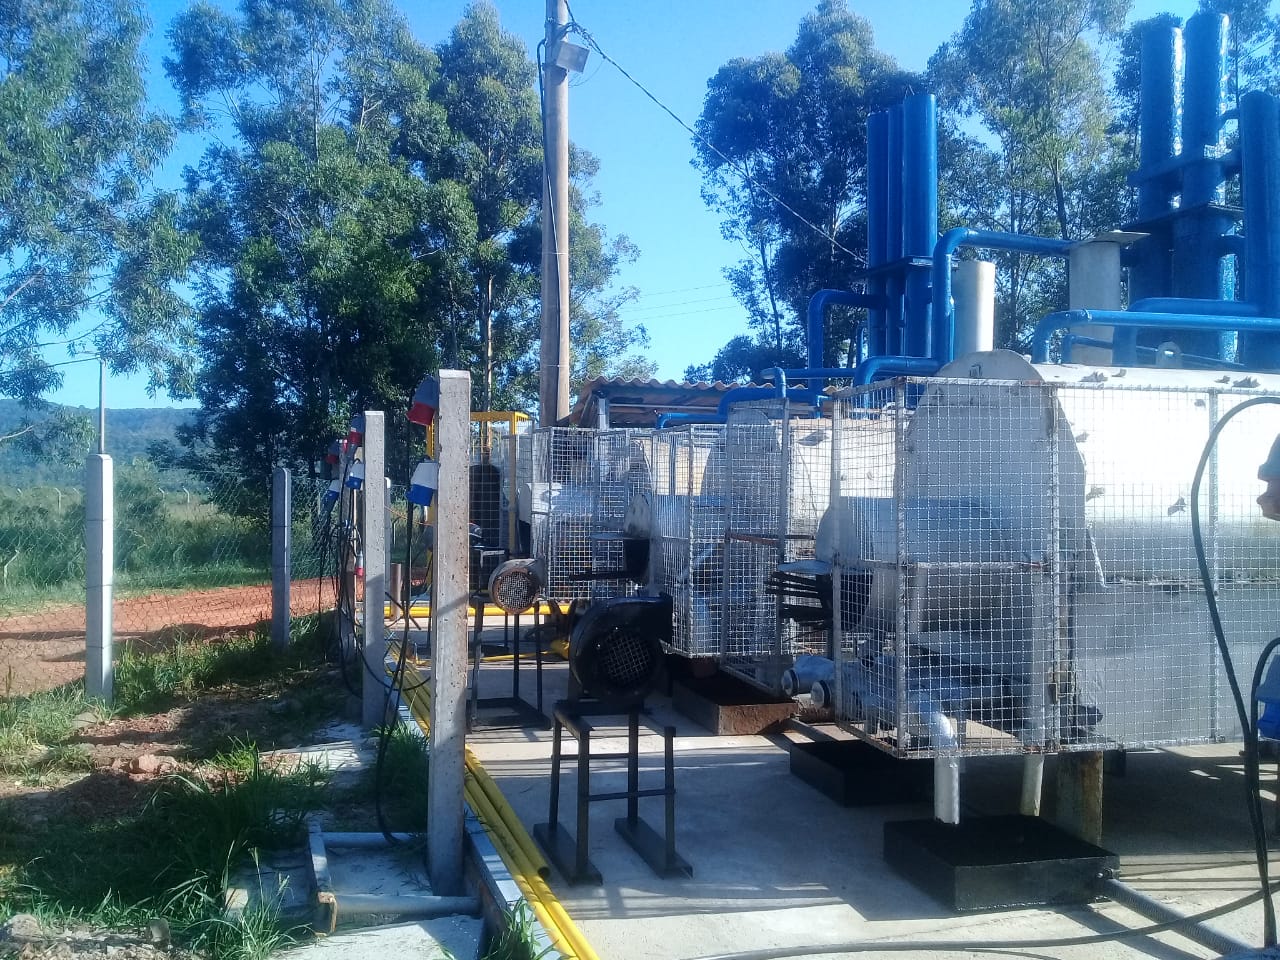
(1159, 126)
(1198, 266)
(877, 189)
(893, 232)
(1159, 122)
(1260, 187)
(919, 214)
(1204, 99)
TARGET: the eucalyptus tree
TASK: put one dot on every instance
(1031, 77)
(782, 150)
(86, 250)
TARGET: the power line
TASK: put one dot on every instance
(678, 316)
(644, 294)
(733, 164)
(676, 306)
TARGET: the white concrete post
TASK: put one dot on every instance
(346, 562)
(449, 636)
(281, 557)
(373, 535)
(99, 568)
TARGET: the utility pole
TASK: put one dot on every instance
(553, 368)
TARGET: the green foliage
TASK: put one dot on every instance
(78, 237)
(34, 731)
(1051, 163)
(515, 941)
(796, 122)
(52, 450)
(170, 859)
(355, 238)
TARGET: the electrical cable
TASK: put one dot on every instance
(1252, 784)
(396, 681)
(732, 164)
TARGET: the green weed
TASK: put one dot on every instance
(516, 940)
(170, 859)
(34, 730)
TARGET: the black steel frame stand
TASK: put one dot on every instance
(523, 714)
(570, 854)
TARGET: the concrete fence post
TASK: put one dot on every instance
(373, 536)
(449, 636)
(281, 557)
(99, 568)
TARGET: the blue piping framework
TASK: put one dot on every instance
(1182, 273)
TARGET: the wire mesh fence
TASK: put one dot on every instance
(590, 494)
(688, 534)
(779, 480)
(190, 562)
(1015, 568)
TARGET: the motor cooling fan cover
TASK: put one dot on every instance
(515, 585)
(615, 652)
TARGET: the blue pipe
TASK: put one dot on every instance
(825, 373)
(1204, 97)
(1260, 190)
(816, 316)
(1192, 361)
(919, 214)
(740, 394)
(1065, 319)
(893, 232)
(1209, 308)
(944, 344)
(879, 368)
(675, 419)
(877, 226)
(1159, 121)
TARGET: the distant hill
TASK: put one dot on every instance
(129, 432)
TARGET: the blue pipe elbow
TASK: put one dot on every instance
(943, 319)
(880, 368)
(816, 316)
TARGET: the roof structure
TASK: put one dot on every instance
(637, 403)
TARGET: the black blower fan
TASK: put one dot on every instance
(615, 652)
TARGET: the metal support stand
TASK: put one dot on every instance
(519, 712)
(569, 854)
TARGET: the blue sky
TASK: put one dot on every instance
(647, 188)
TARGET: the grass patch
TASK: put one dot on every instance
(400, 780)
(147, 681)
(170, 859)
(34, 731)
(516, 940)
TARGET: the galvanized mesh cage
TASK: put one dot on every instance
(496, 532)
(778, 468)
(688, 533)
(590, 502)
(1014, 566)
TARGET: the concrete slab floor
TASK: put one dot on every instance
(442, 938)
(779, 865)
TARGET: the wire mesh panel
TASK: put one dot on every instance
(589, 508)
(1029, 583)
(777, 484)
(688, 533)
(495, 529)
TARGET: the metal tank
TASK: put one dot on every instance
(1012, 556)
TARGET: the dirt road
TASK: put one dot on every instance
(45, 649)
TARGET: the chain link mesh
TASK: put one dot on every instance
(586, 488)
(1015, 571)
(191, 562)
